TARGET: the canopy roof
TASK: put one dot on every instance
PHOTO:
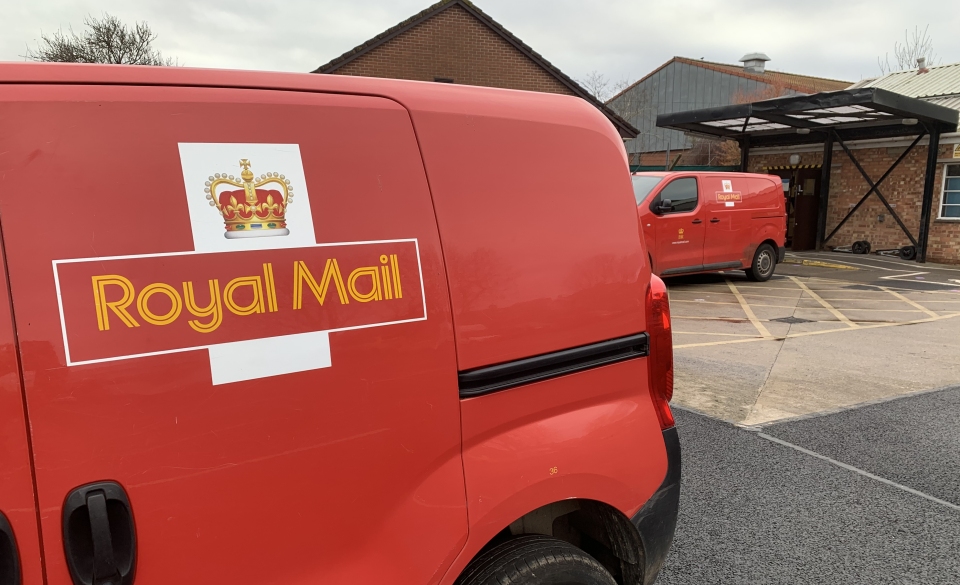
(855, 114)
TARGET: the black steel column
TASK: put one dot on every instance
(744, 153)
(933, 152)
(824, 189)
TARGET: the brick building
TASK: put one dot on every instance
(880, 128)
(902, 189)
(453, 41)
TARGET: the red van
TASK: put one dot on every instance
(279, 328)
(704, 222)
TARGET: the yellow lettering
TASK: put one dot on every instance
(212, 310)
(374, 274)
(395, 265)
(100, 284)
(271, 287)
(331, 272)
(176, 305)
(255, 306)
(385, 270)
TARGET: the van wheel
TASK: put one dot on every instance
(764, 263)
(535, 560)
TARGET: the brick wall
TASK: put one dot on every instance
(454, 45)
(903, 189)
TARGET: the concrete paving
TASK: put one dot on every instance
(813, 338)
(756, 511)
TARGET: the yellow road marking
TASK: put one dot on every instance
(822, 332)
(909, 302)
(825, 304)
(705, 333)
(748, 311)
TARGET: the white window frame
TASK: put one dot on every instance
(943, 187)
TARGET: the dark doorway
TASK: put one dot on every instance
(802, 191)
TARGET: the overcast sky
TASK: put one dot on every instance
(619, 38)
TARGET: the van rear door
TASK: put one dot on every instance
(19, 539)
(236, 326)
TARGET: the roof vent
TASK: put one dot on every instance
(754, 62)
(922, 65)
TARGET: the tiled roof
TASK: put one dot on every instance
(624, 127)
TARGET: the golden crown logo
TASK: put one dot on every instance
(249, 211)
(680, 233)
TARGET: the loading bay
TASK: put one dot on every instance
(818, 415)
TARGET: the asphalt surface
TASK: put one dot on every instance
(876, 270)
(755, 511)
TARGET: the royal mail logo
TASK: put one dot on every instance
(680, 234)
(260, 306)
(250, 211)
(732, 196)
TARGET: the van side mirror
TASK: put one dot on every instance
(665, 206)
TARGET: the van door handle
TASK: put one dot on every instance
(99, 538)
(698, 220)
(715, 220)
(9, 557)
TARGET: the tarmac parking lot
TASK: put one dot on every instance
(818, 415)
(817, 337)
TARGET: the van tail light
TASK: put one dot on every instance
(660, 360)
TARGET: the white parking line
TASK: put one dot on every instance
(872, 476)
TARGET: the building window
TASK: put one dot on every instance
(950, 199)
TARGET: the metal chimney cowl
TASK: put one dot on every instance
(754, 62)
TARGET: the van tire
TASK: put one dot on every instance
(763, 265)
(535, 560)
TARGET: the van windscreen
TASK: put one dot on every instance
(642, 185)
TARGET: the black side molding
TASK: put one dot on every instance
(550, 365)
(702, 268)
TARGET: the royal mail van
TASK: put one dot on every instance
(276, 328)
(705, 222)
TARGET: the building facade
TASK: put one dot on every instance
(902, 189)
(453, 41)
(683, 84)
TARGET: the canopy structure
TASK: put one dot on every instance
(829, 117)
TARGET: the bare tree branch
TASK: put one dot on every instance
(916, 46)
(106, 40)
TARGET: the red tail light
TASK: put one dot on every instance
(660, 360)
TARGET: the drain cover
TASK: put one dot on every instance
(792, 320)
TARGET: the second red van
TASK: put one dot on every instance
(705, 222)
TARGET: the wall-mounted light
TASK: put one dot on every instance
(803, 131)
(909, 121)
(794, 159)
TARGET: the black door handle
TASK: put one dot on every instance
(99, 537)
(714, 220)
(698, 221)
(9, 557)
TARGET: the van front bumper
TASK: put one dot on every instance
(657, 520)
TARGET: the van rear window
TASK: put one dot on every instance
(642, 185)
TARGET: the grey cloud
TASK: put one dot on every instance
(620, 38)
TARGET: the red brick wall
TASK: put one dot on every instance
(902, 189)
(454, 45)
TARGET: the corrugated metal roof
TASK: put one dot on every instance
(947, 101)
(942, 80)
